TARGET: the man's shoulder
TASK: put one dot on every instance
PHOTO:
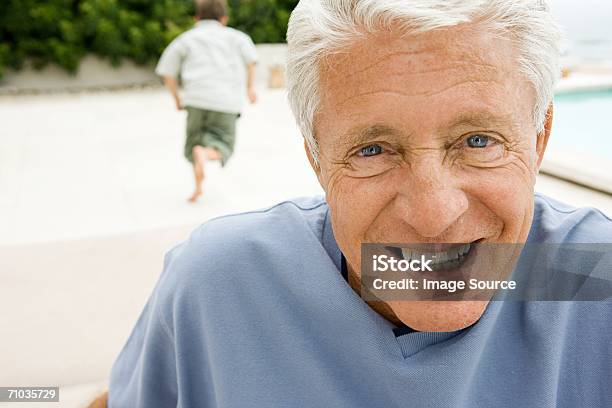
(295, 216)
(247, 241)
(555, 221)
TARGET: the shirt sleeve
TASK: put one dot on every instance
(248, 50)
(171, 60)
(144, 374)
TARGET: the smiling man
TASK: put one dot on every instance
(422, 138)
(425, 123)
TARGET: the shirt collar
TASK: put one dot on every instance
(207, 23)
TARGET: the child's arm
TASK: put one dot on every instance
(169, 68)
(251, 82)
(172, 85)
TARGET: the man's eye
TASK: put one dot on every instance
(371, 150)
(478, 141)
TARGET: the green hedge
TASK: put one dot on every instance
(264, 20)
(63, 31)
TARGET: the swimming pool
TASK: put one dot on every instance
(582, 123)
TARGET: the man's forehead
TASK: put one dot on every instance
(460, 39)
(457, 76)
(397, 54)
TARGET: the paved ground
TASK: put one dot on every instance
(99, 164)
(92, 192)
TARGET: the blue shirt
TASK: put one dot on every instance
(252, 311)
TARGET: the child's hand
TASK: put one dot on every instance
(177, 102)
(252, 95)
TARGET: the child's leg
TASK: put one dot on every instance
(200, 156)
(199, 159)
(212, 153)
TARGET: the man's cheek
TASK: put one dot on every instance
(512, 178)
(353, 212)
(524, 163)
(509, 199)
(364, 198)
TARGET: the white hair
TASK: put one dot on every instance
(318, 28)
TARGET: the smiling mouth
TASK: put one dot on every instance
(443, 257)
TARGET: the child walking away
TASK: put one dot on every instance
(216, 67)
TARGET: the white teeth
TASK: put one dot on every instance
(464, 249)
(437, 257)
(441, 257)
(407, 254)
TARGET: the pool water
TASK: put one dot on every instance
(582, 123)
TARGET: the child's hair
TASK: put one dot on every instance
(210, 9)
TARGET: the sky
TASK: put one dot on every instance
(587, 25)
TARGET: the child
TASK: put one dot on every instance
(216, 65)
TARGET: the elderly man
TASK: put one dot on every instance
(425, 122)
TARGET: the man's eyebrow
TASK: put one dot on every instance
(482, 119)
(360, 135)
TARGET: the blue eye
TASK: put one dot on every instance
(478, 141)
(371, 150)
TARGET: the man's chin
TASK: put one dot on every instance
(438, 316)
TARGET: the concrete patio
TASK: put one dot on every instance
(93, 192)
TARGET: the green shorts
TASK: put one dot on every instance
(208, 128)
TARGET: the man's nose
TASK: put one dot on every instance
(430, 201)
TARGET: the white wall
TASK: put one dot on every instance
(97, 73)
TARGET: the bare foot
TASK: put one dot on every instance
(194, 197)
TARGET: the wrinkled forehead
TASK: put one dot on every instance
(442, 64)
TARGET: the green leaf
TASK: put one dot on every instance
(63, 31)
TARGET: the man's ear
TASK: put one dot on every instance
(315, 166)
(223, 20)
(544, 135)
